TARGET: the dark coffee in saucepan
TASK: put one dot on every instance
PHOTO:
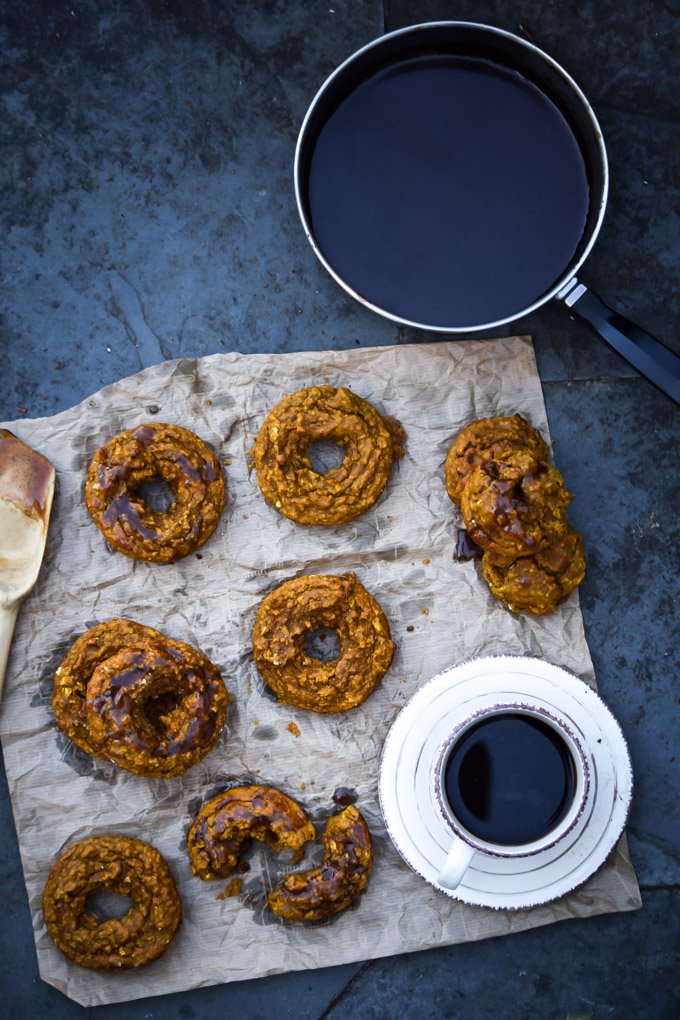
(447, 190)
(510, 779)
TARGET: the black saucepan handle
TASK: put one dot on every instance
(649, 356)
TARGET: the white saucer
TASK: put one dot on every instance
(407, 800)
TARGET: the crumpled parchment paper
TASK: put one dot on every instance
(440, 613)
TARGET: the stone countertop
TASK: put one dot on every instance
(148, 213)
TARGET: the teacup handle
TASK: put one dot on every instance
(456, 864)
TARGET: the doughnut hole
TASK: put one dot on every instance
(323, 644)
(324, 455)
(160, 704)
(108, 905)
(157, 494)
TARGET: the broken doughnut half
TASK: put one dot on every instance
(225, 827)
(223, 831)
(319, 893)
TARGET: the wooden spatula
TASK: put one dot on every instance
(26, 490)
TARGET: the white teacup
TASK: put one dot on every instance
(496, 781)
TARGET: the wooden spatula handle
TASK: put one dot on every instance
(7, 621)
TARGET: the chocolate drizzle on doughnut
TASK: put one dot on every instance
(321, 892)
(120, 469)
(225, 827)
(513, 503)
(121, 510)
(489, 439)
(152, 705)
(223, 831)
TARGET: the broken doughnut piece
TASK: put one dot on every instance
(223, 830)
(537, 584)
(514, 506)
(341, 877)
(489, 439)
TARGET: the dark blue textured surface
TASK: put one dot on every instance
(148, 213)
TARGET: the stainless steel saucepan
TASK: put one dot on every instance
(453, 177)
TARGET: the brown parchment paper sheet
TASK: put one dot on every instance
(60, 795)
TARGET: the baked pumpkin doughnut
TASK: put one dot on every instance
(342, 875)
(128, 693)
(225, 827)
(79, 663)
(156, 710)
(512, 506)
(285, 475)
(121, 865)
(489, 439)
(137, 456)
(537, 584)
(304, 604)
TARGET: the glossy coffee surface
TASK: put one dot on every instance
(448, 190)
(510, 779)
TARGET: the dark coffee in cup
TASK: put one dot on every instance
(510, 779)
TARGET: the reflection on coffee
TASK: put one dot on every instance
(510, 779)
